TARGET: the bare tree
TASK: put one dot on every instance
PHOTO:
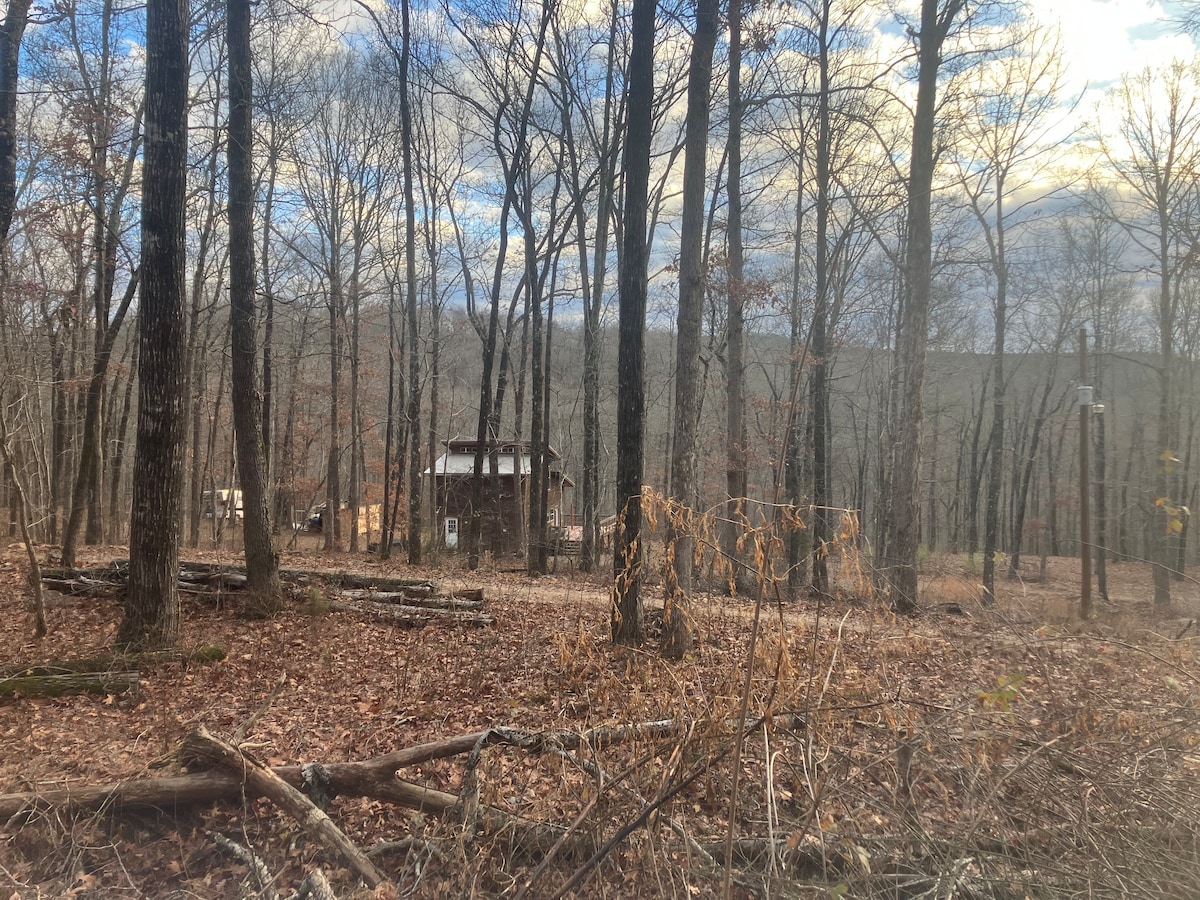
(627, 619)
(677, 625)
(1155, 155)
(1001, 157)
(112, 138)
(346, 184)
(1096, 249)
(899, 558)
(736, 480)
(510, 83)
(152, 604)
(262, 562)
(413, 409)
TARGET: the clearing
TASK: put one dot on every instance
(1009, 751)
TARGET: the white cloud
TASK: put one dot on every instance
(1104, 39)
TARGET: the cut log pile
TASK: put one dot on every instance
(409, 603)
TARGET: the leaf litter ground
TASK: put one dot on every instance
(1007, 751)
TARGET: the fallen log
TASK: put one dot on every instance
(375, 582)
(103, 579)
(177, 791)
(407, 599)
(261, 780)
(113, 572)
(375, 778)
(72, 683)
(235, 580)
(120, 662)
(410, 616)
(80, 587)
(203, 568)
(415, 592)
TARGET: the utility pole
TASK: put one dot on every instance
(1085, 512)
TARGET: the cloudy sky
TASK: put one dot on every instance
(1105, 38)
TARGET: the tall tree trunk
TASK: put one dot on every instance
(677, 634)
(355, 478)
(87, 478)
(536, 555)
(820, 323)
(115, 521)
(331, 524)
(282, 511)
(1167, 432)
(627, 619)
(435, 371)
(1099, 464)
(735, 411)
(262, 561)
(389, 432)
(991, 530)
(793, 474)
(489, 412)
(901, 566)
(151, 616)
(589, 553)
(413, 413)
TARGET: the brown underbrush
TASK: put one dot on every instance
(969, 751)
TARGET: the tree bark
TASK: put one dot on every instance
(901, 564)
(413, 410)
(589, 552)
(626, 614)
(151, 616)
(11, 33)
(819, 342)
(262, 561)
(677, 636)
(735, 410)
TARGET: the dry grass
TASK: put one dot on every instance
(1010, 752)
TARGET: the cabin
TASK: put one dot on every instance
(505, 497)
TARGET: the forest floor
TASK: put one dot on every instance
(971, 751)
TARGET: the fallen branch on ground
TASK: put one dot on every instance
(261, 780)
(424, 601)
(119, 662)
(81, 587)
(72, 683)
(374, 778)
(258, 868)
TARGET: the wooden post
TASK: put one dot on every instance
(1085, 530)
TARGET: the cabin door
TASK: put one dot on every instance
(451, 533)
